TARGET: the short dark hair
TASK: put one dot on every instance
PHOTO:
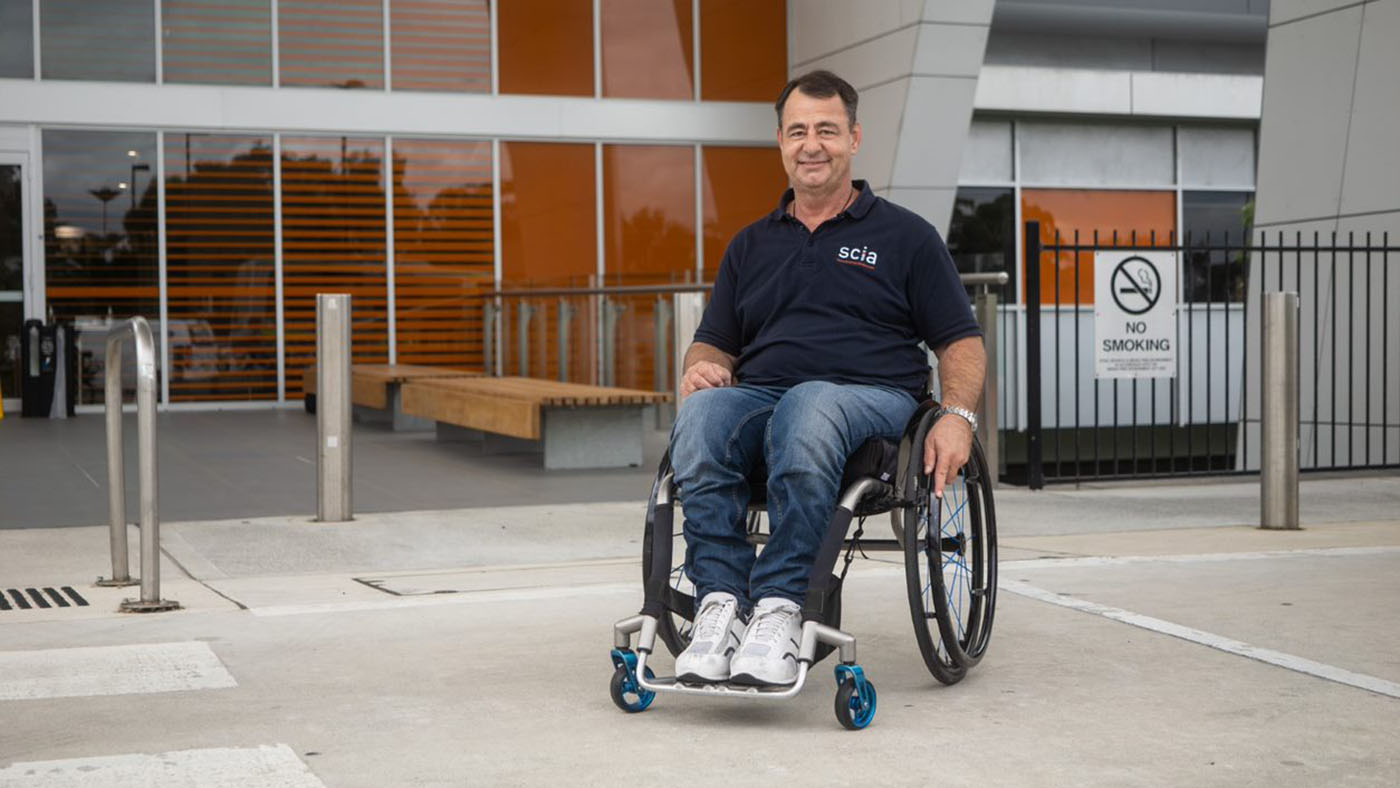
(821, 84)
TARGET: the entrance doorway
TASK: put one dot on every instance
(12, 257)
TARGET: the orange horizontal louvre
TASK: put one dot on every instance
(333, 241)
(444, 252)
(331, 44)
(649, 238)
(224, 42)
(100, 252)
(440, 45)
(220, 280)
(548, 239)
(1148, 216)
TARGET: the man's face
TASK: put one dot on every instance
(817, 142)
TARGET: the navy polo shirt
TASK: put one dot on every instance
(848, 303)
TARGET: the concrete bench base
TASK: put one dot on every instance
(392, 415)
(573, 438)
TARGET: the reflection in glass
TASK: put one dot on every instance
(222, 42)
(220, 288)
(441, 45)
(11, 228)
(443, 249)
(743, 49)
(982, 230)
(649, 237)
(1215, 219)
(331, 43)
(741, 186)
(17, 38)
(549, 239)
(647, 49)
(545, 47)
(99, 238)
(112, 41)
(333, 241)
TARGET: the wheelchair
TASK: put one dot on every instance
(950, 567)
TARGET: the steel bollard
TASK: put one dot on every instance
(333, 449)
(1278, 484)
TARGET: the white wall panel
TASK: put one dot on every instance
(1079, 154)
(1216, 156)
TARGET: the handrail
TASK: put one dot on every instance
(980, 279)
(140, 331)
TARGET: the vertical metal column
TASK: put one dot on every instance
(986, 307)
(333, 408)
(661, 357)
(1035, 468)
(524, 312)
(688, 309)
(140, 331)
(565, 318)
(488, 337)
(1279, 379)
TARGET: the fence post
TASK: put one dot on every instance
(1279, 382)
(333, 408)
(524, 313)
(1035, 469)
(986, 306)
(566, 314)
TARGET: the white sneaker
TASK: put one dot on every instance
(768, 652)
(712, 641)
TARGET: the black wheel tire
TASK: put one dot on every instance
(948, 647)
(619, 695)
(849, 717)
(308, 402)
(967, 640)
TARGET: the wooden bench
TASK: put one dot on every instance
(577, 425)
(374, 391)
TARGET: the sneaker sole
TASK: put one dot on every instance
(750, 680)
(696, 678)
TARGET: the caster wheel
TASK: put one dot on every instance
(855, 709)
(627, 695)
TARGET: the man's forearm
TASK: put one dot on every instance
(699, 351)
(961, 367)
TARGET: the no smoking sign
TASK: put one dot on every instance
(1134, 314)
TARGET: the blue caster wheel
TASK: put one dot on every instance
(855, 698)
(626, 692)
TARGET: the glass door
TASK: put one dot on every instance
(12, 237)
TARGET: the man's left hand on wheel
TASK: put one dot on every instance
(946, 450)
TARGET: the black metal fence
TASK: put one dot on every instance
(1202, 417)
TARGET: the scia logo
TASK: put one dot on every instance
(857, 254)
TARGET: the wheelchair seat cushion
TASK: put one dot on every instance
(878, 458)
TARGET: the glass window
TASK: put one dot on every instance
(11, 354)
(545, 47)
(333, 241)
(112, 41)
(1082, 154)
(647, 49)
(982, 231)
(743, 49)
(741, 186)
(100, 240)
(1216, 157)
(1213, 222)
(11, 228)
(987, 155)
(649, 237)
(331, 43)
(444, 250)
(441, 45)
(1140, 217)
(549, 239)
(220, 282)
(17, 38)
(222, 42)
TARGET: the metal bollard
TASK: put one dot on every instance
(1278, 484)
(333, 449)
(140, 331)
(687, 308)
(988, 429)
(565, 317)
(524, 313)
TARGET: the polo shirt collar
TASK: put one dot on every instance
(859, 207)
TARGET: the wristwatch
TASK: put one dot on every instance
(966, 414)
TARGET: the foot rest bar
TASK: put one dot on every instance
(669, 684)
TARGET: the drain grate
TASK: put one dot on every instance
(31, 598)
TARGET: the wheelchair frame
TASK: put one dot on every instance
(634, 685)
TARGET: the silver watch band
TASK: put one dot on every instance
(966, 414)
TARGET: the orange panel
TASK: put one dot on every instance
(443, 249)
(741, 186)
(743, 50)
(545, 47)
(648, 48)
(1151, 215)
(333, 241)
(219, 267)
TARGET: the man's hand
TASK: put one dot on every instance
(704, 375)
(946, 450)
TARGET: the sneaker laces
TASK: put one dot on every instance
(711, 624)
(770, 625)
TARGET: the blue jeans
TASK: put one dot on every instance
(803, 436)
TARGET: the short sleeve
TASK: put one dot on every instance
(941, 309)
(719, 327)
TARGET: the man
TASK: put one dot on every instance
(808, 347)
